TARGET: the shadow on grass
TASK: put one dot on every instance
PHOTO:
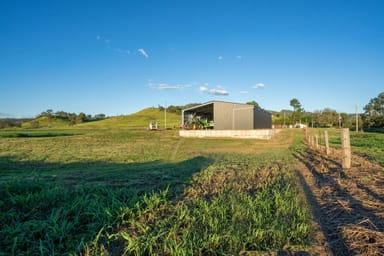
(48, 208)
(144, 177)
(35, 134)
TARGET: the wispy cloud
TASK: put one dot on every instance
(243, 92)
(220, 57)
(143, 52)
(100, 38)
(122, 52)
(203, 89)
(218, 91)
(165, 86)
(259, 85)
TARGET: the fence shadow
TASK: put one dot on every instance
(328, 207)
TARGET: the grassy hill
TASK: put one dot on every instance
(139, 119)
(45, 122)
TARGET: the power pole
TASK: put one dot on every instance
(165, 116)
(357, 119)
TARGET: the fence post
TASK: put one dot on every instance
(346, 148)
(326, 142)
(317, 141)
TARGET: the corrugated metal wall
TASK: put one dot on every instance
(233, 116)
(262, 119)
(229, 116)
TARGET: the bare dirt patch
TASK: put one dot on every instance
(347, 204)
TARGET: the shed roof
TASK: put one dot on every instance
(212, 102)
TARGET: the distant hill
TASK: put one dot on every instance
(45, 122)
(139, 119)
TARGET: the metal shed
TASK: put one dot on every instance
(220, 115)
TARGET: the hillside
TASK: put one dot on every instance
(139, 119)
(45, 122)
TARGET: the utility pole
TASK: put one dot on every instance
(165, 116)
(357, 119)
(339, 121)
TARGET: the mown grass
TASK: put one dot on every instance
(123, 191)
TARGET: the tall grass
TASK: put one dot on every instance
(40, 218)
(226, 209)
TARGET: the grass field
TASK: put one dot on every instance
(367, 144)
(133, 192)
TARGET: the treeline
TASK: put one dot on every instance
(177, 109)
(320, 118)
(72, 118)
(372, 117)
(12, 122)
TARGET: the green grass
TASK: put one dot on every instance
(130, 191)
(18, 133)
(140, 119)
(229, 207)
(367, 144)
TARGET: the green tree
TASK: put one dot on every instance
(254, 103)
(374, 112)
(297, 110)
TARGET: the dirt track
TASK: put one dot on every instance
(348, 205)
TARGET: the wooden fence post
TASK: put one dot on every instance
(326, 142)
(317, 141)
(346, 148)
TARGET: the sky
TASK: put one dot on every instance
(118, 57)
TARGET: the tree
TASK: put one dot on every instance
(374, 112)
(297, 109)
(254, 103)
(81, 117)
(99, 116)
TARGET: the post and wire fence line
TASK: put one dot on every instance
(314, 143)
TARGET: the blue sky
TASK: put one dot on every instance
(117, 57)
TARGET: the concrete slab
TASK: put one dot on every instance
(264, 134)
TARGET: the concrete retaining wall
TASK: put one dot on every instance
(265, 134)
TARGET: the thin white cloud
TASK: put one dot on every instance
(218, 92)
(165, 86)
(143, 52)
(102, 39)
(259, 85)
(220, 57)
(122, 52)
